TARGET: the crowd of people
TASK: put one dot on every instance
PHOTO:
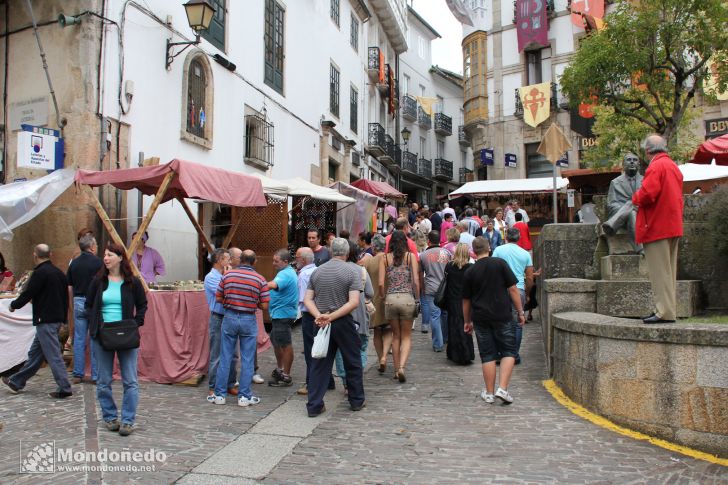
(378, 284)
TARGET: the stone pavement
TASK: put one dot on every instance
(432, 429)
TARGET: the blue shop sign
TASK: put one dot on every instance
(486, 156)
(511, 160)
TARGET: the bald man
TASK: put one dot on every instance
(659, 226)
(48, 290)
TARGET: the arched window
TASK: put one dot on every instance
(197, 95)
(196, 99)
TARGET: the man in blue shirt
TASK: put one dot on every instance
(283, 312)
(220, 259)
(521, 263)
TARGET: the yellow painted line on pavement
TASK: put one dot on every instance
(582, 412)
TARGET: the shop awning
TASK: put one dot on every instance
(193, 181)
(380, 189)
(508, 186)
(717, 149)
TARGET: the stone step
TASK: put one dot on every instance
(633, 299)
(624, 267)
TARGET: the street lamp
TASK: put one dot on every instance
(405, 136)
(199, 16)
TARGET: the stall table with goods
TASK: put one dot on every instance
(175, 339)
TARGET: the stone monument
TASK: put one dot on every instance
(621, 215)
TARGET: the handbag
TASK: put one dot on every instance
(441, 292)
(121, 335)
(368, 303)
(320, 347)
(416, 313)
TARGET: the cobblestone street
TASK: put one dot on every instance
(432, 429)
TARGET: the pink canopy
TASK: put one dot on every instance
(193, 181)
(716, 148)
(380, 189)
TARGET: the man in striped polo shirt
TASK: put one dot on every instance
(242, 291)
(332, 294)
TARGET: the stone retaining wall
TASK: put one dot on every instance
(668, 381)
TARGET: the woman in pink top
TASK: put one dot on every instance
(446, 224)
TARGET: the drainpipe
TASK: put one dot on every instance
(396, 119)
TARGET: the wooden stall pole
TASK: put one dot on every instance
(150, 213)
(193, 219)
(112, 230)
(233, 230)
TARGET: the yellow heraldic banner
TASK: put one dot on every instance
(426, 103)
(536, 101)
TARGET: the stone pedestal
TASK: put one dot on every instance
(634, 298)
(624, 267)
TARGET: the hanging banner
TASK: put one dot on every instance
(511, 160)
(531, 24)
(536, 101)
(592, 8)
(381, 67)
(486, 156)
(391, 105)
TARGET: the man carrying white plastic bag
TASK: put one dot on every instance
(332, 294)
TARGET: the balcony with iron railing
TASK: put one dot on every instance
(409, 162)
(409, 108)
(423, 119)
(554, 101)
(443, 169)
(443, 124)
(463, 136)
(465, 175)
(424, 168)
(387, 157)
(373, 63)
(376, 142)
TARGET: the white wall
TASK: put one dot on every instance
(311, 41)
(509, 46)
(510, 83)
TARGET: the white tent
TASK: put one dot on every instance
(693, 172)
(301, 187)
(22, 201)
(495, 187)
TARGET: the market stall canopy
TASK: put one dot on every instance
(356, 217)
(508, 186)
(380, 189)
(693, 172)
(272, 186)
(300, 187)
(193, 181)
(717, 149)
(22, 201)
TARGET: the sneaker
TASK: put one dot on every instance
(245, 401)
(211, 396)
(258, 379)
(112, 425)
(504, 396)
(489, 398)
(303, 390)
(11, 388)
(126, 429)
(276, 374)
(218, 400)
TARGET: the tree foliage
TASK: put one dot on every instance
(646, 66)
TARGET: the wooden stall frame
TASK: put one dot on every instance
(106, 221)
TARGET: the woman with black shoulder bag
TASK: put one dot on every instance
(115, 305)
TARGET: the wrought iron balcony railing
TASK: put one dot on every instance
(462, 136)
(388, 156)
(409, 162)
(376, 143)
(423, 119)
(424, 168)
(373, 59)
(443, 124)
(409, 108)
(443, 169)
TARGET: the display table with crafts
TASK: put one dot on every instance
(16, 333)
(175, 339)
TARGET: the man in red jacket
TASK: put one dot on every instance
(660, 225)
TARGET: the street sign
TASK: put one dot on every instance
(570, 197)
(563, 162)
(511, 160)
(40, 148)
(486, 156)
